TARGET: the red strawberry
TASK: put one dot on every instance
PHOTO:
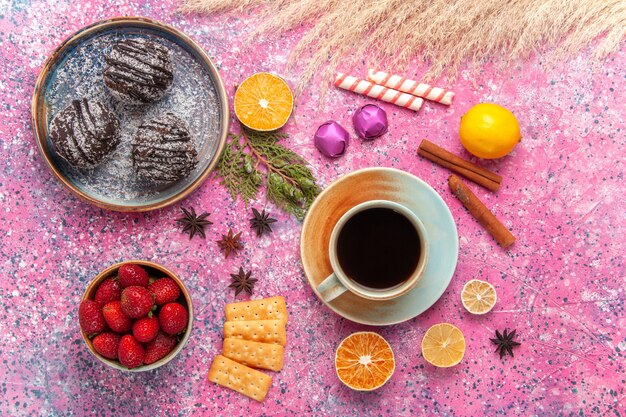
(146, 329)
(159, 348)
(130, 352)
(109, 290)
(115, 317)
(137, 302)
(165, 291)
(131, 274)
(90, 317)
(173, 318)
(106, 344)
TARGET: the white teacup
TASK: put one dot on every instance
(339, 282)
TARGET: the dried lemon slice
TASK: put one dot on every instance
(263, 102)
(364, 361)
(443, 345)
(478, 296)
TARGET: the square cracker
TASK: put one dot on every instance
(238, 377)
(255, 354)
(265, 331)
(273, 308)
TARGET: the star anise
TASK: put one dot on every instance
(193, 223)
(242, 282)
(505, 343)
(230, 243)
(261, 222)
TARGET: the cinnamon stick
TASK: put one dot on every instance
(467, 169)
(485, 217)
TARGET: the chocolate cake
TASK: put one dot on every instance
(84, 133)
(138, 71)
(163, 150)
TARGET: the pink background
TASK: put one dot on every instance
(561, 286)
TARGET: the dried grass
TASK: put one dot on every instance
(444, 34)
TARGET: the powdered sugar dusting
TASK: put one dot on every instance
(192, 97)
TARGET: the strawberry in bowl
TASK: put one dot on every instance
(135, 316)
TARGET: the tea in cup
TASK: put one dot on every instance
(378, 250)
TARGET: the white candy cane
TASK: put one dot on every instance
(378, 92)
(412, 87)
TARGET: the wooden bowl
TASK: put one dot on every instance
(154, 270)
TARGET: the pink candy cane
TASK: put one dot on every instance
(378, 92)
(411, 87)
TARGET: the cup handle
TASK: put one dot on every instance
(331, 288)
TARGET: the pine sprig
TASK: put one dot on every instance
(251, 159)
(236, 171)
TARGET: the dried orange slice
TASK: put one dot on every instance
(263, 102)
(478, 297)
(443, 345)
(364, 361)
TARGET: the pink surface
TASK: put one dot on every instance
(561, 285)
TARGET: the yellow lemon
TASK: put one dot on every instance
(489, 131)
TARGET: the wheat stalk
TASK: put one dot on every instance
(442, 34)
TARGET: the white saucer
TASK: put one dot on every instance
(381, 184)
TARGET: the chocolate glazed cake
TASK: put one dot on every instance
(138, 71)
(163, 151)
(84, 133)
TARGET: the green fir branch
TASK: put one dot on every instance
(253, 158)
(235, 171)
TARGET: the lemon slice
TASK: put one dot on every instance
(478, 296)
(443, 345)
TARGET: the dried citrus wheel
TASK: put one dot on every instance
(263, 102)
(478, 296)
(364, 361)
(489, 131)
(443, 345)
